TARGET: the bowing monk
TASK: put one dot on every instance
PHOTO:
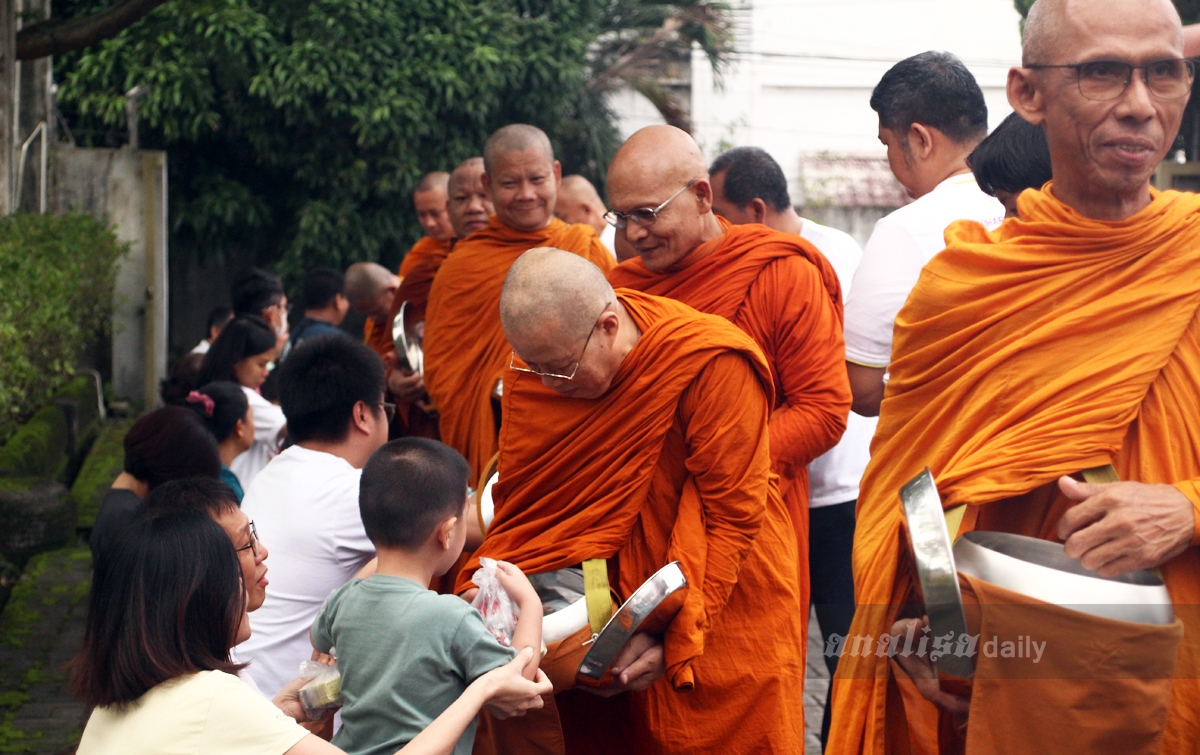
(774, 286)
(430, 199)
(372, 291)
(469, 208)
(465, 351)
(635, 430)
(1062, 341)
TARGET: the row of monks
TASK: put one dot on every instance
(665, 409)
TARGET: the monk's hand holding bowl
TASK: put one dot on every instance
(639, 664)
(1123, 526)
(406, 385)
(920, 670)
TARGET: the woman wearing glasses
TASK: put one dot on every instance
(164, 612)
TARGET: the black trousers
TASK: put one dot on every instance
(830, 548)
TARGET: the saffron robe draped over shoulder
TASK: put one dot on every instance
(424, 247)
(465, 348)
(671, 464)
(782, 292)
(415, 286)
(1053, 344)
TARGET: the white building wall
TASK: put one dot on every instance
(803, 76)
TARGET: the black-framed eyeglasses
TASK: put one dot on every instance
(253, 545)
(644, 216)
(512, 360)
(389, 410)
(1103, 80)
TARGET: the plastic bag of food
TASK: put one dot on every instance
(493, 603)
(323, 692)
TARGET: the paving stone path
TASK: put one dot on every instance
(40, 629)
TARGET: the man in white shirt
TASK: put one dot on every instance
(218, 317)
(931, 116)
(579, 202)
(749, 187)
(305, 502)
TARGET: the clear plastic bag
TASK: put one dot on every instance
(493, 603)
(323, 692)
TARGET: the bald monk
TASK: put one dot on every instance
(774, 286)
(430, 200)
(579, 202)
(465, 351)
(469, 208)
(1062, 341)
(635, 430)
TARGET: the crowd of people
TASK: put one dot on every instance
(698, 375)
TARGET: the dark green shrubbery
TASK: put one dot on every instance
(56, 289)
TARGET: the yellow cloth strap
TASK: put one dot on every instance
(596, 593)
(1095, 476)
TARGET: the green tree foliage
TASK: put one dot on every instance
(56, 272)
(298, 128)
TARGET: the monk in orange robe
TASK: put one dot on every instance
(776, 287)
(431, 201)
(469, 207)
(645, 441)
(1064, 340)
(466, 354)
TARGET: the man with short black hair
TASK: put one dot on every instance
(1013, 158)
(325, 305)
(331, 390)
(218, 317)
(931, 116)
(257, 292)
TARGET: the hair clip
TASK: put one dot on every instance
(196, 397)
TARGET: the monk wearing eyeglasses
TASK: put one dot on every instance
(1063, 341)
(466, 354)
(635, 430)
(774, 286)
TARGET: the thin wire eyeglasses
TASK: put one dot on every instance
(644, 216)
(512, 360)
(253, 546)
(1104, 80)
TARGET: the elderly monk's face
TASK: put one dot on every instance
(1108, 147)
(432, 214)
(549, 350)
(470, 205)
(524, 188)
(677, 229)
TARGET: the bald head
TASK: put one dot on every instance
(366, 285)
(1047, 30)
(470, 204)
(429, 199)
(516, 137)
(658, 156)
(435, 181)
(579, 202)
(548, 289)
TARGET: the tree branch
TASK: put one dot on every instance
(58, 35)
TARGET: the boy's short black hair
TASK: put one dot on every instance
(751, 173)
(254, 289)
(321, 287)
(211, 497)
(321, 381)
(934, 89)
(408, 487)
(1012, 158)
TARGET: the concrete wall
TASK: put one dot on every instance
(8, 45)
(128, 189)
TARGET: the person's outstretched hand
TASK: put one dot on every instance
(509, 693)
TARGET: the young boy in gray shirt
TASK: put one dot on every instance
(406, 653)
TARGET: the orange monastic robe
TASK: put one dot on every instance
(466, 352)
(1053, 344)
(426, 246)
(671, 464)
(415, 286)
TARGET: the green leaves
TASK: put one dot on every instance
(56, 272)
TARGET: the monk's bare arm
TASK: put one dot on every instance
(809, 357)
(725, 417)
(867, 385)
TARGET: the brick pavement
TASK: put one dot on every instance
(40, 629)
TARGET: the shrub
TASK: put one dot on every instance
(56, 275)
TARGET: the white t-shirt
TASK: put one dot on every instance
(209, 713)
(901, 245)
(268, 423)
(202, 347)
(609, 238)
(305, 508)
(833, 477)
